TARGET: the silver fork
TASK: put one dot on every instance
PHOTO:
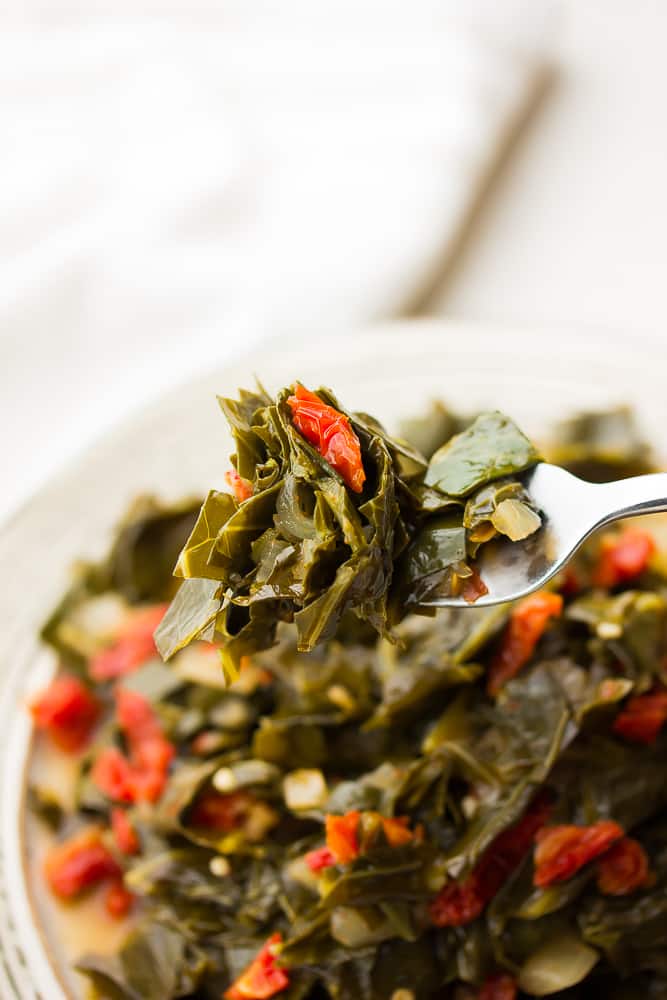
(572, 510)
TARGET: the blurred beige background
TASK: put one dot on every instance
(181, 182)
(576, 230)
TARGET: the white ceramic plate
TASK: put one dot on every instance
(179, 445)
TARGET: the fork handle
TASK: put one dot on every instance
(631, 497)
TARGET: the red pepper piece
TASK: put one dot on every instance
(624, 868)
(67, 711)
(137, 718)
(223, 813)
(240, 487)
(642, 718)
(341, 833)
(263, 978)
(570, 582)
(150, 752)
(331, 433)
(112, 774)
(125, 836)
(499, 986)
(133, 646)
(508, 849)
(141, 778)
(396, 830)
(319, 859)
(473, 587)
(79, 863)
(622, 557)
(343, 843)
(459, 903)
(527, 623)
(562, 850)
(148, 784)
(118, 900)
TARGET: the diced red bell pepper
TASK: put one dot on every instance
(125, 836)
(473, 587)
(331, 433)
(624, 868)
(319, 859)
(154, 755)
(133, 645)
(499, 986)
(341, 834)
(79, 863)
(622, 557)
(527, 623)
(67, 711)
(343, 842)
(396, 830)
(642, 718)
(150, 751)
(112, 773)
(263, 978)
(141, 778)
(570, 582)
(562, 850)
(240, 487)
(148, 784)
(223, 813)
(118, 900)
(137, 718)
(459, 903)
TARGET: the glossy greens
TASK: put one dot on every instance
(368, 800)
(299, 545)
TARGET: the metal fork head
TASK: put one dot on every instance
(571, 510)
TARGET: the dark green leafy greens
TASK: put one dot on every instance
(137, 569)
(304, 547)
(491, 447)
(363, 722)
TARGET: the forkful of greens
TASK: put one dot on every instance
(330, 518)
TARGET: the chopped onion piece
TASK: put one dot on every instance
(515, 519)
(609, 630)
(224, 781)
(557, 965)
(219, 866)
(200, 664)
(305, 788)
(244, 773)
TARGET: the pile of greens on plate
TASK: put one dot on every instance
(360, 802)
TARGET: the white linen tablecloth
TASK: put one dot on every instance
(176, 184)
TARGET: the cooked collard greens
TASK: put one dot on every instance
(473, 808)
(331, 517)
